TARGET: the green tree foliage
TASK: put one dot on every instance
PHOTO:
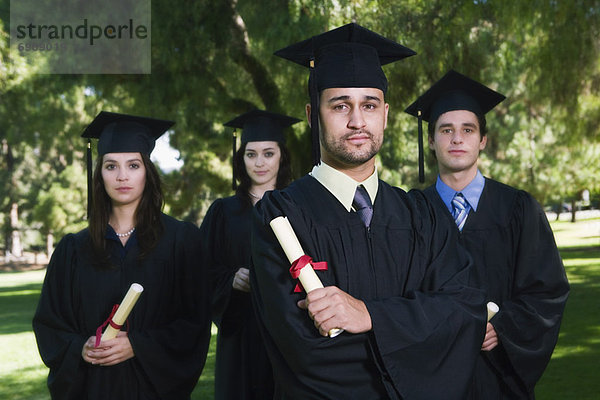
(213, 60)
(58, 208)
(41, 117)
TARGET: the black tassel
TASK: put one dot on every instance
(421, 158)
(89, 178)
(233, 149)
(314, 115)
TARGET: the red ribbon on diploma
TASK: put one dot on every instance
(301, 263)
(108, 321)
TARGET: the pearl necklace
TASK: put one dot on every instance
(253, 195)
(122, 235)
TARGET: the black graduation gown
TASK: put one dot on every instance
(427, 324)
(242, 368)
(518, 265)
(169, 327)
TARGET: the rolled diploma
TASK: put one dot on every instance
(123, 311)
(492, 309)
(293, 250)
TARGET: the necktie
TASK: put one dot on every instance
(459, 207)
(362, 205)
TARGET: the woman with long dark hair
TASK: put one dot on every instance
(160, 352)
(262, 163)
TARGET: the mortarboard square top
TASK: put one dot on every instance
(349, 56)
(122, 133)
(259, 125)
(454, 91)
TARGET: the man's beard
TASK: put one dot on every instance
(341, 151)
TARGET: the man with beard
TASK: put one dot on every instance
(395, 282)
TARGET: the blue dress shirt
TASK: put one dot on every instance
(472, 192)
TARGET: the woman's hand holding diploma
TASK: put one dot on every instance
(109, 352)
(120, 316)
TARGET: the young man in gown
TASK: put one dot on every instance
(395, 279)
(507, 234)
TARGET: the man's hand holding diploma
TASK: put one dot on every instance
(293, 250)
(330, 308)
(491, 338)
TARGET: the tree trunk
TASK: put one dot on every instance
(49, 244)
(6, 233)
(262, 80)
(15, 246)
(573, 209)
(7, 163)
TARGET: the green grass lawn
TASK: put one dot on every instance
(573, 370)
(572, 373)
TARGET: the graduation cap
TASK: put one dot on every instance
(348, 56)
(452, 92)
(260, 126)
(121, 133)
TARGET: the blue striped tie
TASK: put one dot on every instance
(459, 210)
